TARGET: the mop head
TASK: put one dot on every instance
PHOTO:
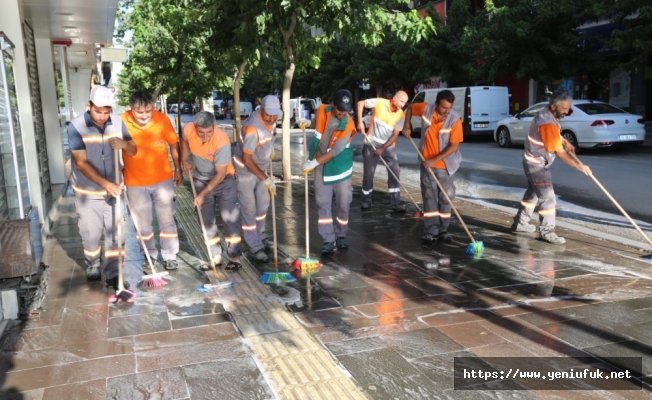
(306, 263)
(122, 296)
(155, 280)
(276, 278)
(476, 247)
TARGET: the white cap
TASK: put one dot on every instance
(271, 105)
(102, 96)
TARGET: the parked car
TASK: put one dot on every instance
(186, 108)
(173, 108)
(589, 124)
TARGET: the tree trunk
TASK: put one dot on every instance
(287, 83)
(236, 97)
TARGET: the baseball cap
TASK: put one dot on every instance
(343, 100)
(102, 96)
(271, 105)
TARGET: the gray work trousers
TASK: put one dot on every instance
(254, 203)
(539, 193)
(96, 217)
(370, 162)
(437, 210)
(226, 196)
(162, 199)
(343, 190)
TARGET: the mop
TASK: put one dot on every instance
(419, 213)
(475, 247)
(275, 278)
(306, 263)
(638, 229)
(122, 294)
(214, 283)
(155, 279)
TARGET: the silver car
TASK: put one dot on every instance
(589, 124)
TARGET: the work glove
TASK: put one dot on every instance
(309, 166)
(272, 156)
(271, 186)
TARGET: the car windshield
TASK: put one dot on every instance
(599, 108)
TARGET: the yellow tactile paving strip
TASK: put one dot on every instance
(294, 362)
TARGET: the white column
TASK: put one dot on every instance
(11, 19)
(80, 88)
(49, 104)
(532, 93)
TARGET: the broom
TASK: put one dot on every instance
(155, 279)
(419, 213)
(214, 283)
(307, 262)
(476, 246)
(639, 230)
(121, 294)
(275, 278)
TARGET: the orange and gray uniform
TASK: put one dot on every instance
(439, 134)
(256, 140)
(383, 123)
(544, 138)
(96, 210)
(149, 180)
(334, 177)
(216, 152)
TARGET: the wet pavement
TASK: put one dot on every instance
(384, 319)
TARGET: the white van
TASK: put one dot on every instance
(304, 111)
(480, 107)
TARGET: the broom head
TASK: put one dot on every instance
(155, 280)
(306, 264)
(418, 214)
(123, 296)
(476, 247)
(276, 278)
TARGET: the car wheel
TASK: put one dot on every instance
(504, 140)
(568, 135)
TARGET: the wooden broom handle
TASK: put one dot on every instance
(574, 157)
(305, 152)
(271, 175)
(203, 228)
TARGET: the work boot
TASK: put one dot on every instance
(399, 208)
(551, 237)
(93, 274)
(170, 265)
(260, 256)
(268, 244)
(445, 236)
(341, 243)
(528, 228)
(328, 247)
(365, 206)
(428, 237)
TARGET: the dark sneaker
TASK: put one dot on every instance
(170, 264)
(146, 268)
(113, 282)
(399, 208)
(551, 237)
(528, 228)
(328, 247)
(93, 274)
(341, 243)
(260, 256)
(365, 205)
(428, 237)
(446, 237)
(268, 244)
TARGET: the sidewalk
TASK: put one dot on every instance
(383, 319)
